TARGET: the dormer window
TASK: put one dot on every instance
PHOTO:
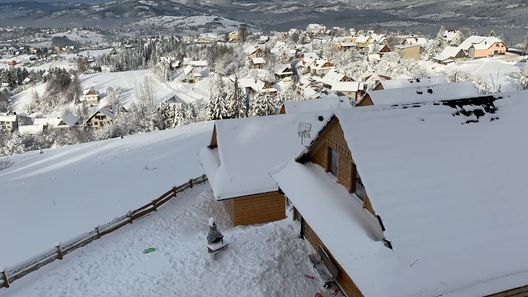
(360, 188)
(332, 161)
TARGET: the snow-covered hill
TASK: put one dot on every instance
(59, 194)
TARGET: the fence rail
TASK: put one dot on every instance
(9, 275)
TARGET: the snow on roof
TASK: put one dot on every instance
(479, 42)
(403, 83)
(328, 102)
(249, 148)
(188, 69)
(8, 118)
(89, 92)
(283, 69)
(30, 129)
(450, 192)
(347, 86)
(362, 38)
(258, 60)
(423, 93)
(378, 37)
(332, 77)
(449, 52)
(70, 119)
(416, 41)
(109, 110)
(450, 35)
(250, 49)
(51, 122)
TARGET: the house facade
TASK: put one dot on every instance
(8, 123)
(90, 97)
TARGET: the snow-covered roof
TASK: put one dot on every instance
(416, 41)
(479, 42)
(89, 92)
(30, 129)
(450, 35)
(332, 77)
(258, 60)
(109, 110)
(448, 183)
(327, 102)
(449, 52)
(424, 93)
(347, 86)
(250, 49)
(282, 69)
(249, 148)
(70, 119)
(362, 38)
(51, 122)
(8, 118)
(403, 83)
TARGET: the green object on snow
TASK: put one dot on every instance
(149, 250)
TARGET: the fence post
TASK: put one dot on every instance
(60, 255)
(154, 205)
(129, 215)
(190, 183)
(97, 232)
(4, 278)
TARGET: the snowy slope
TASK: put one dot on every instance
(264, 260)
(54, 196)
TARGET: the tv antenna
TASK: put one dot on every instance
(304, 131)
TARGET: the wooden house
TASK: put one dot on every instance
(253, 52)
(191, 74)
(392, 209)
(239, 156)
(102, 117)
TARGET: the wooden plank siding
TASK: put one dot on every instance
(366, 101)
(256, 209)
(345, 282)
(332, 136)
(517, 292)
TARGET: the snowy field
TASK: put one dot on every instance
(129, 82)
(52, 197)
(264, 260)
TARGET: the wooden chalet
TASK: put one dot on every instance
(240, 155)
(395, 209)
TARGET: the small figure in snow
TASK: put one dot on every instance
(215, 239)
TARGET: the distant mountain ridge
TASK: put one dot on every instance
(510, 16)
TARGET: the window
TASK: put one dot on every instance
(360, 189)
(332, 162)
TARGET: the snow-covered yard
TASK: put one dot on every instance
(263, 260)
(62, 193)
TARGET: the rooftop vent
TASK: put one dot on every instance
(430, 91)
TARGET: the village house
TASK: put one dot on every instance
(321, 67)
(253, 52)
(191, 74)
(257, 63)
(449, 54)
(67, 121)
(373, 79)
(240, 154)
(233, 36)
(102, 117)
(419, 93)
(363, 41)
(411, 82)
(482, 46)
(283, 71)
(416, 204)
(90, 97)
(8, 123)
(333, 77)
(254, 86)
(412, 51)
(354, 90)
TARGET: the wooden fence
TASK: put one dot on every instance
(7, 276)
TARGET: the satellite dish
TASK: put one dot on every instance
(304, 130)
